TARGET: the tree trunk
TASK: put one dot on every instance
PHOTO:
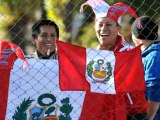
(68, 15)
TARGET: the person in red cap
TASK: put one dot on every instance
(145, 32)
(114, 107)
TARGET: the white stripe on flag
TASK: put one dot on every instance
(100, 71)
(42, 78)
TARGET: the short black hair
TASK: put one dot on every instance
(145, 28)
(42, 22)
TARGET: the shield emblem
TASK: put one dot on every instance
(100, 71)
(37, 113)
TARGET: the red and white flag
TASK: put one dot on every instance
(100, 71)
(35, 94)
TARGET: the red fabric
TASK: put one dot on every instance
(118, 44)
(127, 68)
(140, 104)
(9, 52)
(119, 9)
(107, 102)
(68, 62)
(102, 107)
(128, 65)
(4, 86)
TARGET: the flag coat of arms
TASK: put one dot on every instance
(100, 71)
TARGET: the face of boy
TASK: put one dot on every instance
(46, 39)
(106, 31)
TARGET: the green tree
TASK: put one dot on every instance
(17, 15)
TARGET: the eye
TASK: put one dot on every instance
(43, 35)
(52, 35)
(109, 24)
(99, 24)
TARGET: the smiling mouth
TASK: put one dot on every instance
(49, 45)
(104, 35)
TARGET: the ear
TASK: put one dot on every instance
(33, 40)
(119, 29)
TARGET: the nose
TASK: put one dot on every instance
(51, 38)
(104, 27)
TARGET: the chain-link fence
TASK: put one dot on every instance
(35, 94)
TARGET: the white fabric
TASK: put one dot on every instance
(41, 78)
(100, 7)
(107, 87)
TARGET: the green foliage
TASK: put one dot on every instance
(66, 109)
(109, 73)
(62, 12)
(88, 36)
(90, 68)
(20, 113)
(54, 10)
(65, 100)
(47, 95)
(62, 117)
(15, 11)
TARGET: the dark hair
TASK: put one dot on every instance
(42, 22)
(145, 28)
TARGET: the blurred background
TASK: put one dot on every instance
(18, 16)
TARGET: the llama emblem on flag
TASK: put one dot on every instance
(99, 70)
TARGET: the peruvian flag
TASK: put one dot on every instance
(34, 94)
(100, 71)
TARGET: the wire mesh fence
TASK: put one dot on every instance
(35, 94)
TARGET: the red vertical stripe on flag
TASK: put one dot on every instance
(69, 66)
(129, 71)
(4, 86)
(98, 106)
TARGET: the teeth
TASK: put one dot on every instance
(48, 44)
(104, 34)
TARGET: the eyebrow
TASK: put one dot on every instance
(105, 22)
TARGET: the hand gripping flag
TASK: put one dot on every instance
(9, 52)
(100, 71)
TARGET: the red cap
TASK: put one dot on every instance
(118, 9)
(115, 11)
